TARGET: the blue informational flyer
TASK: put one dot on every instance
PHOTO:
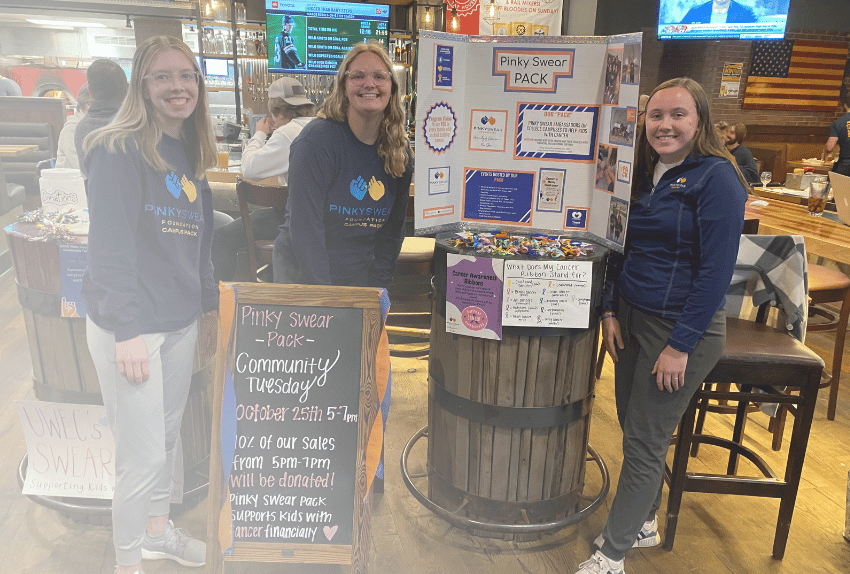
(73, 258)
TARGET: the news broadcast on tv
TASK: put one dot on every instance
(722, 19)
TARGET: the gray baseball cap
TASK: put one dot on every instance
(290, 91)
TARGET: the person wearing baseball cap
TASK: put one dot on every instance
(266, 155)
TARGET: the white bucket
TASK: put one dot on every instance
(62, 189)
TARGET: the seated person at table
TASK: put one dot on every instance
(720, 12)
(265, 156)
(839, 133)
(66, 151)
(349, 181)
(733, 139)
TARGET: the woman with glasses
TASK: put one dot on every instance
(349, 181)
(149, 279)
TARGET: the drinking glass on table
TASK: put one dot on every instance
(817, 195)
(765, 178)
(223, 150)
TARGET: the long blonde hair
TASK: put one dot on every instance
(393, 144)
(706, 140)
(135, 120)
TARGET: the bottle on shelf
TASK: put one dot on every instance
(250, 45)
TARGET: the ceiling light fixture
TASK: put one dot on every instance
(65, 24)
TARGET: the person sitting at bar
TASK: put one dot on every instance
(266, 155)
(734, 138)
(8, 86)
(349, 181)
(66, 151)
(107, 85)
(839, 133)
(663, 318)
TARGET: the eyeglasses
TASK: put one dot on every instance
(359, 76)
(185, 77)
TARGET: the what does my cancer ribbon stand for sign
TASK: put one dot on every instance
(298, 408)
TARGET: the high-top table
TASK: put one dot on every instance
(824, 237)
(10, 150)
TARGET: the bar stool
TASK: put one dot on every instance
(830, 286)
(409, 320)
(259, 251)
(759, 357)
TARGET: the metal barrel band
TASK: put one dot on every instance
(49, 393)
(503, 416)
(508, 511)
(469, 523)
(39, 302)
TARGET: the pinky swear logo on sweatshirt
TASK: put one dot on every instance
(679, 183)
(175, 186)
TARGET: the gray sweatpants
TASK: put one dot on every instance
(649, 417)
(145, 421)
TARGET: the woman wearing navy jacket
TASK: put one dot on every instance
(148, 280)
(663, 320)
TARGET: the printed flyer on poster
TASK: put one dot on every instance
(549, 150)
(474, 296)
(547, 293)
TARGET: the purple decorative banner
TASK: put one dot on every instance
(474, 296)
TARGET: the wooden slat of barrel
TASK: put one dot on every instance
(461, 425)
(546, 367)
(528, 401)
(475, 384)
(506, 386)
(519, 401)
(35, 351)
(85, 365)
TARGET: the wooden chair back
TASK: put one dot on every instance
(250, 193)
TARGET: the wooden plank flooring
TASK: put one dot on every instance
(716, 534)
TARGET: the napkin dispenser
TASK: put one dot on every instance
(798, 181)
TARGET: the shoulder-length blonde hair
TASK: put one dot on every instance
(393, 145)
(706, 140)
(135, 119)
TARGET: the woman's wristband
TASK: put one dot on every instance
(608, 315)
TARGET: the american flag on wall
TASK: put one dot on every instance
(795, 75)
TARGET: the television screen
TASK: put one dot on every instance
(217, 67)
(722, 19)
(314, 35)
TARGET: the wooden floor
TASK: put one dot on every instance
(716, 534)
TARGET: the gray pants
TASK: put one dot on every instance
(649, 417)
(145, 421)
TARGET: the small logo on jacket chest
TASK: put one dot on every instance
(679, 183)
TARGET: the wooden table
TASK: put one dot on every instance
(819, 167)
(823, 236)
(16, 150)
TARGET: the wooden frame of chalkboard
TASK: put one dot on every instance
(269, 334)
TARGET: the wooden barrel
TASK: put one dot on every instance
(62, 367)
(508, 420)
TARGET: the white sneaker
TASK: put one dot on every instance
(601, 564)
(647, 537)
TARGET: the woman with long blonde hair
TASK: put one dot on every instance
(149, 279)
(349, 180)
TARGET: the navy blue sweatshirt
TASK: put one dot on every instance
(345, 214)
(681, 247)
(150, 238)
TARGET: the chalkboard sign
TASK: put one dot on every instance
(297, 400)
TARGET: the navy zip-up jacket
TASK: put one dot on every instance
(681, 247)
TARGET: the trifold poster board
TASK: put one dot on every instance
(296, 405)
(528, 134)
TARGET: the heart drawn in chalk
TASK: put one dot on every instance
(330, 531)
